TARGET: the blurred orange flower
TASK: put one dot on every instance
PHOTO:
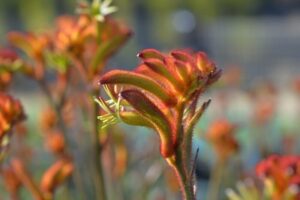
(221, 135)
(283, 171)
(55, 142)
(11, 181)
(56, 175)
(11, 112)
(71, 34)
(7, 57)
(32, 44)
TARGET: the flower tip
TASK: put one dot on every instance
(151, 53)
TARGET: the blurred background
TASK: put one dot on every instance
(255, 42)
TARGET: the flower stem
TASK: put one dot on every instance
(184, 179)
(27, 180)
(216, 180)
(98, 150)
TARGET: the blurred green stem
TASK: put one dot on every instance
(216, 180)
(98, 151)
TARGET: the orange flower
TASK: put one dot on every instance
(11, 181)
(48, 119)
(11, 112)
(55, 142)
(220, 134)
(72, 33)
(161, 88)
(56, 175)
(35, 47)
(32, 44)
(162, 93)
(7, 57)
(91, 41)
(283, 171)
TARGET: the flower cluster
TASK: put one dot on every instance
(79, 41)
(161, 93)
(281, 180)
(64, 62)
(281, 175)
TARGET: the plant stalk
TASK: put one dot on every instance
(98, 150)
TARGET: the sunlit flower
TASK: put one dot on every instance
(85, 40)
(71, 34)
(162, 92)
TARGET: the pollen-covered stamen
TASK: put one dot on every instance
(112, 108)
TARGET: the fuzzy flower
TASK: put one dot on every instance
(32, 44)
(281, 180)
(88, 41)
(11, 181)
(221, 136)
(55, 175)
(161, 93)
(11, 112)
(72, 33)
(7, 58)
(281, 174)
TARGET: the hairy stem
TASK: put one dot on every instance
(186, 184)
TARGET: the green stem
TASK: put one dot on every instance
(216, 180)
(98, 149)
(185, 182)
(181, 158)
(27, 180)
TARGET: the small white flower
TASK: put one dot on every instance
(104, 9)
